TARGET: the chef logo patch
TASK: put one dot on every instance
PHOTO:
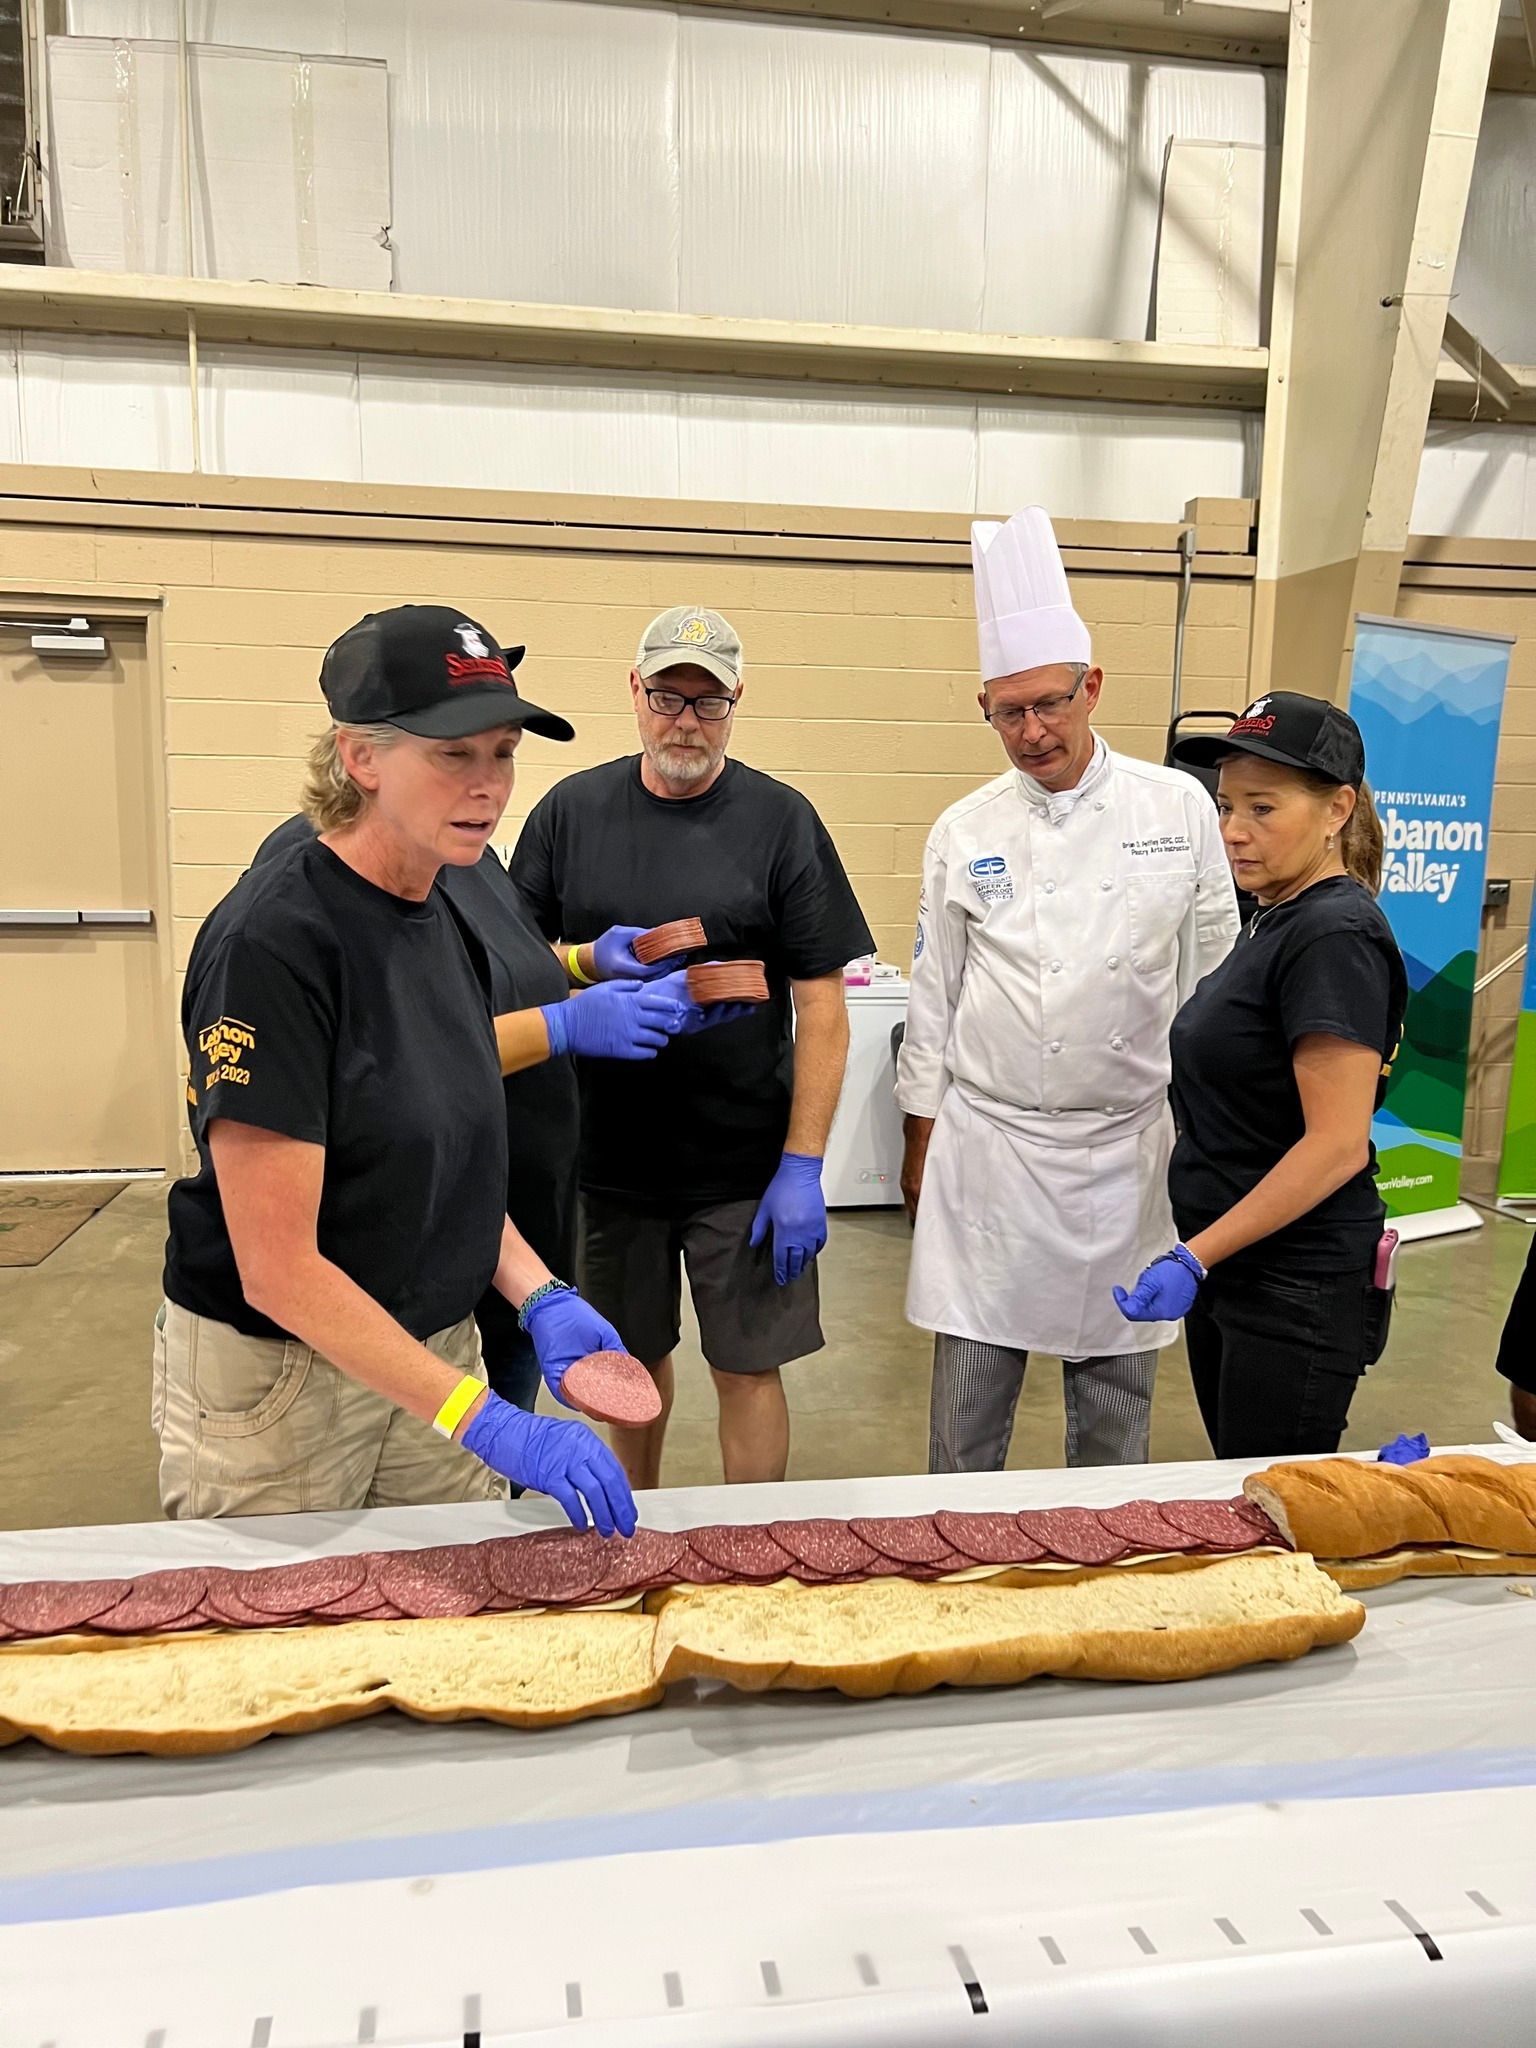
(919, 942)
(990, 878)
(224, 1046)
(692, 632)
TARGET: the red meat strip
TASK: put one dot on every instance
(155, 1601)
(548, 1567)
(612, 1387)
(446, 1580)
(1262, 1527)
(353, 1606)
(1214, 1522)
(298, 1588)
(648, 1558)
(941, 1567)
(825, 1545)
(693, 1570)
(225, 1601)
(910, 1539)
(1145, 1527)
(53, 1607)
(745, 1550)
(1073, 1534)
(988, 1539)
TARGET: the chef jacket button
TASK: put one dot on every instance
(1113, 960)
(1105, 885)
(1099, 805)
(1055, 967)
(1055, 1112)
(1118, 1044)
(1055, 1045)
(1050, 888)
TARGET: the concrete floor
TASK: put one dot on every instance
(75, 1445)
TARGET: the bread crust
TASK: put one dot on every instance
(1343, 1509)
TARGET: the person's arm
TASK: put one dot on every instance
(938, 964)
(1337, 1082)
(269, 1188)
(1210, 929)
(522, 1040)
(821, 1054)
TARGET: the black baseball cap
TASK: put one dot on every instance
(430, 670)
(1300, 732)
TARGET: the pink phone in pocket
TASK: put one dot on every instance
(1385, 1274)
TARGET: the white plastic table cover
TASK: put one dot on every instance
(1346, 1844)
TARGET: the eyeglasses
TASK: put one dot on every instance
(1010, 717)
(672, 703)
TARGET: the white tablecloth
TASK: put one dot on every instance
(1344, 1839)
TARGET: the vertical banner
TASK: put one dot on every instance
(1517, 1168)
(1428, 702)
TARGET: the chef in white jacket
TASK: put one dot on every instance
(1067, 910)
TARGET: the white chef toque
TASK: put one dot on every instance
(1024, 615)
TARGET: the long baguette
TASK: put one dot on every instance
(892, 1636)
(1341, 1508)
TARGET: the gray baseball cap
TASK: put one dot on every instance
(691, 633)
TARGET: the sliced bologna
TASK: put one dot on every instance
(439, 1583)
(53, 1607)
(225, 1602)
(1215, 1523)
(1248, 1511)
(744, 1549)
(941, 1567)
(611, 1386)
(1074, 1535)
(355, 1606)
(289, 1589)
(909, 1539)
(648, 1558)
(548, 1568)
(826, 1546)
(693, 1570)
(155, 1601)
(1145, 1527)
(988, 1539)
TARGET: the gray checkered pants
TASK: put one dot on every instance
(976, 1390)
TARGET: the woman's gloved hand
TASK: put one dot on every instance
(1166, 1291)
(563, 1459)
(564, 1328)
(617, 1020)
(699, 1016)
(793, 1208)
(613, 956)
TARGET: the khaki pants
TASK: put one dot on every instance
(263, 1426)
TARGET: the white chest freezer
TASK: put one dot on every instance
(863, 1165)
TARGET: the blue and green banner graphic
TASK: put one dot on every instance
(1517, 1168)
(1428, 702)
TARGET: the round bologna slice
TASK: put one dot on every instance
(1074, 1535)
(439, 1583)
(353, 1606)
(1250, 1512)
(988, 1538)
(826, 1546)
(225, 1601)
(909, 1539)
(693, 1570)
(155, 1601)
(611, 1386)
(1214, 1523)
(549, 1567)
(54, 1607)
(942, 1567)
(300, 1588)
(1145, 1527)
(745, 1550)
(648, 1558)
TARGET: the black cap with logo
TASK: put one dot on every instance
(429, 670)
(1300, 732)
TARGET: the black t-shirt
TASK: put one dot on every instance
(706, 1120)
(542, 1104)
(328, 1010)
(1325, 962)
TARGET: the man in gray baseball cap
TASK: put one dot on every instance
(710, 1159)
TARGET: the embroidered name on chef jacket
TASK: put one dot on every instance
(990, 878)
(1165, 843)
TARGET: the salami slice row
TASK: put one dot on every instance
(574, 1567)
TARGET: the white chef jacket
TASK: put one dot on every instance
(1057, 936)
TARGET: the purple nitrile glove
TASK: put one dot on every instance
(1166, 1291)
(566, 1460)
(613, 955)
(794, 1210)
(617, 1020)
(564, 1328)
(699, 1016)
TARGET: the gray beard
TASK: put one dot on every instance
(682, 764)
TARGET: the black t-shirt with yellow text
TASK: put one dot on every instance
(327, 1010)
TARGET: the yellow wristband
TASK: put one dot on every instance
(573, 962)
(458, 1405)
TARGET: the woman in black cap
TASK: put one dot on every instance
(317, 1347)
(1280, 1060)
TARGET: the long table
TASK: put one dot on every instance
(1345, 1845)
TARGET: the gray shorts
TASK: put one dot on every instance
(629, 1266)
